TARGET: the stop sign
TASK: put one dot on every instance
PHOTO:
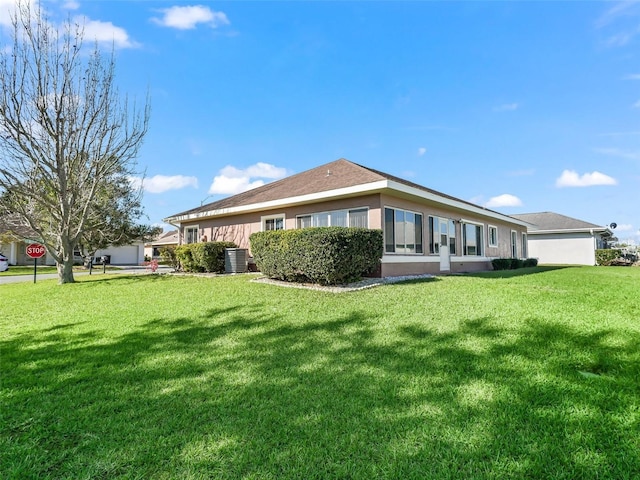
(35, 250)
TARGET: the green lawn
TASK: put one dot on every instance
(42, 269)
(522, 374)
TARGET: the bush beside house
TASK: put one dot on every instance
(513, 263)
(324, 255)
(203, 256)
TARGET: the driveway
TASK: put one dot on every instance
(126, 269)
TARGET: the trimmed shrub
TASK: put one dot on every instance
(324, 255)
(501, 263)
(516, 263)
(607, 256)
(209, 256)
(513, 263)
(203, 256)
(168, 255)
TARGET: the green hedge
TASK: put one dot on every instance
(324, 255)
(513, 263)
(606, 256)
(203, 256)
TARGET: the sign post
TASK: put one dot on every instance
(35, 251)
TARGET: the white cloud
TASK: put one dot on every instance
(506, 107)
(188, 17)
(163, 183)
(637, 104)
(105, 32)
(422, 151)
(625, 227)
(71, 5)
(231, 180)
(504, 200)
(632, 76)
(570, 178)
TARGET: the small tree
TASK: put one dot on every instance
(66, 136)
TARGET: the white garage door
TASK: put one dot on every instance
(127, 255)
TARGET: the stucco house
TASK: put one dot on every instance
(424, 231)
(557, 239)
(165, 239)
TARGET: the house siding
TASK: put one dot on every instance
(563, 248)
(238, 228)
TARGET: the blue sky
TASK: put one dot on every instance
(518, 106)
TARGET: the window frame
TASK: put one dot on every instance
(480, 249)
(525, 246)
(188, 229)
(277, 216)
(329, 212)
(492, 242)
(416, 245)
(514, 244)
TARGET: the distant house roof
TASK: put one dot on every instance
(339, 179)
(165, 238)
(555, 222)
(12, 226)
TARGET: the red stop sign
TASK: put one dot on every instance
(35, 250)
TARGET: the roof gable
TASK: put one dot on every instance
(555, 221)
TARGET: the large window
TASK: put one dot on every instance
(274, 222)
(442, 231)
(357, 217)
(402, 231)
(493, 236)
(191, 234)
(514, 244)
(472, 239)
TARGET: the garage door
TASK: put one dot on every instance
(127, 255)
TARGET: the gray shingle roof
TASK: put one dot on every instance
(335, 175)
(554, 221)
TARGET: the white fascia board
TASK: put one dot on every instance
(453, 203)
(603, 231)
(284, 202)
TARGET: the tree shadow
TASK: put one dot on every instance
(516, 273)
(247, 392)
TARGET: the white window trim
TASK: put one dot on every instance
(191, 227)
(415, 254)
(328, 212)
(264, 218)
(489, 227)
(525, 244)
(513, 244)
(483, 246)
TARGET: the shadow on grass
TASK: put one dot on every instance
(239, 392)
(516, 273)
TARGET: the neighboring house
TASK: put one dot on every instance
(14, 238)
(165, 239)
(424, 231)
(558, 239)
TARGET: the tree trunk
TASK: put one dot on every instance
(65, 269)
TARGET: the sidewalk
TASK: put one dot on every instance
(121, 269)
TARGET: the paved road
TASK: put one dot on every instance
(126, 269)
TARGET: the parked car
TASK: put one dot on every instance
(4, 263)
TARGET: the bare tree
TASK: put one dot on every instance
(65, 133)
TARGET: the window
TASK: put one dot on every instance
(275, 222)
(472, 239)
(191, 234)
(514, 244)
(402, 231)
(524, 246)
(337, 218)
(493, 236)
(442, 231)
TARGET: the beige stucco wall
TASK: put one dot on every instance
(563, 248)
(238, 228)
